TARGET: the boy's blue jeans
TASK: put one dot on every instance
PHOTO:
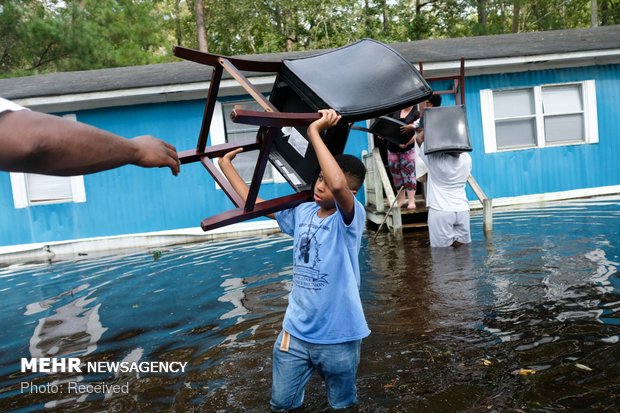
(292, 368)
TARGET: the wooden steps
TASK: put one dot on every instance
(411, 220)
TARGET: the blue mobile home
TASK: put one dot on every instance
(542, 109)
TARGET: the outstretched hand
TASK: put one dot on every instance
(153, 152)
(329, 118)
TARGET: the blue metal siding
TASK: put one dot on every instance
(551, 169)
(131, 199)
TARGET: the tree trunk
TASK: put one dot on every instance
(516, 12)
(289, 34)
(177, 22)
(367, 16)
(606, 19)
(200, 27)
(386, 18)
(482, 15)
(594, 13)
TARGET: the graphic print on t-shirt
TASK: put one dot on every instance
(306, 273)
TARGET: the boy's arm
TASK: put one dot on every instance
(333, 176)
(238, 184)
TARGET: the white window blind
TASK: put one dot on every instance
(539, 116)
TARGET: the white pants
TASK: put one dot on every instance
(445, 227)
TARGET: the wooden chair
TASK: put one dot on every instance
(360, 81)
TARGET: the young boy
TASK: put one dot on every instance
(324, 322)
(448, 213)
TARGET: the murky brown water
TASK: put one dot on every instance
(452, 330)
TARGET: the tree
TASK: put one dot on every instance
(481, 6)
(200, 27)
(55, 35)
(609, 12)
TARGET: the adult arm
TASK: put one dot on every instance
(46, 144)
(333, 176)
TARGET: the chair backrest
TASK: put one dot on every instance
(446, 130)
(363, 80)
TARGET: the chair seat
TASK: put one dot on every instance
(363, 80)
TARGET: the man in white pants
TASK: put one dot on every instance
(448, 214)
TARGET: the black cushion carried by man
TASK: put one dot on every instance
(445, 130)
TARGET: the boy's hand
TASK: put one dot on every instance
(328, 119)
(228, 158)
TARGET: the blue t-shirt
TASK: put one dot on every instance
(324, 306)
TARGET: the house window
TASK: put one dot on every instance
(235, 132)
(224, 130)
(35, 189)
(540, 116)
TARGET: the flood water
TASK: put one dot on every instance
(527, 320)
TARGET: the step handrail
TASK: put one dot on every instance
(487, 204)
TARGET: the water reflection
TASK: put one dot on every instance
(451, 328)
(73, 328)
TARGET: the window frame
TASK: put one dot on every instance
(487, 108)
(22, 196)
(218, 135)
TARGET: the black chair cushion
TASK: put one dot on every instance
(445, 130)
(363, 80)
(389, 129)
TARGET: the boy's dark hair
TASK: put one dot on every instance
(353, 168)
(435, 100)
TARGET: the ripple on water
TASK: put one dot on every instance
(452, 329)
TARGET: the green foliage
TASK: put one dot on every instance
(61, 35)
(53, 35)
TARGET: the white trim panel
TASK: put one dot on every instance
(487, 111)
(552, 196)
(18, 187)
(228, 87)
(591, 118)
(523, 63)
(135, 96)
